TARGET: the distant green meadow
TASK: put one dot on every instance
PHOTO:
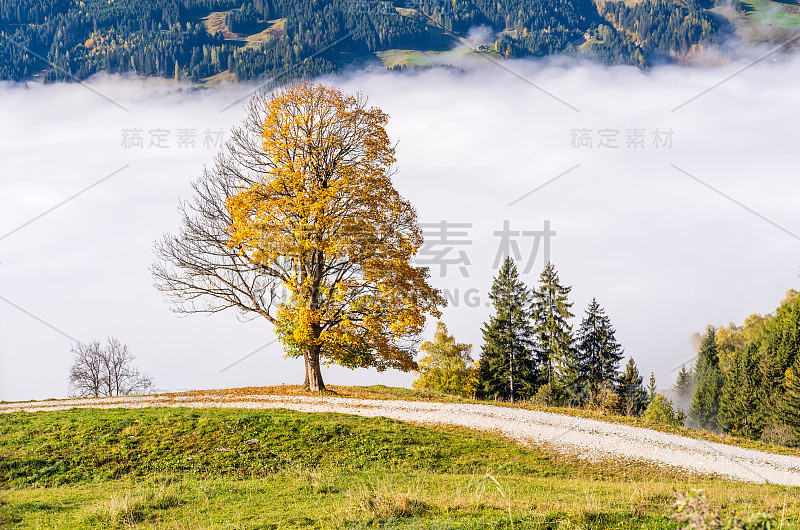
(769, 13)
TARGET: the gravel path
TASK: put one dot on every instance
(588, 438)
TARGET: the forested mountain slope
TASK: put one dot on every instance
(248, 39)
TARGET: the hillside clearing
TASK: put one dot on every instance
(275, 29)
(773, 14)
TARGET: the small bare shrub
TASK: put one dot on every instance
(106, 371)
(778, 435)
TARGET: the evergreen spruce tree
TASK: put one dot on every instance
(755, 386)
(555, 350)
(779, 348)
(738, 399)
(683, 384)
(598, 353)
(631, 391)
(507, 368)
(705, 403)
(771, 375)
(791, 400)
(651, 388)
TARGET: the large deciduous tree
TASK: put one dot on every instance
(301, 202)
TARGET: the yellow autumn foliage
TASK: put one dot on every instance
(324, 218)
(447, 365)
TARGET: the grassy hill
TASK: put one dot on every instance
(386, 392)
(244, 469)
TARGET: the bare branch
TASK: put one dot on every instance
(106, 371)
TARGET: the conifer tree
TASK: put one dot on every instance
(652, 389)
(779, 347)
(791, 400)
(770, 374)
(598, 353)
(705, 403)
(738, 399)
(507, 367)
(631, 391)
(756, 373)
(551, 314)
(683, 384)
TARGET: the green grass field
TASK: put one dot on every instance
(386, 392)
(774, 14)
(244, 469)
(391, 58)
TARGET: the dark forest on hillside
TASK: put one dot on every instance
(71, 40)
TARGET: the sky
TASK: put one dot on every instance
(672, 194)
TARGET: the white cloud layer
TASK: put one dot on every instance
(662, 251)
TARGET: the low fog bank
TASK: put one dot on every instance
(638, 173)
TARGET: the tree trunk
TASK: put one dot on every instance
(511, 373)
(313, 371)
(305, 366)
